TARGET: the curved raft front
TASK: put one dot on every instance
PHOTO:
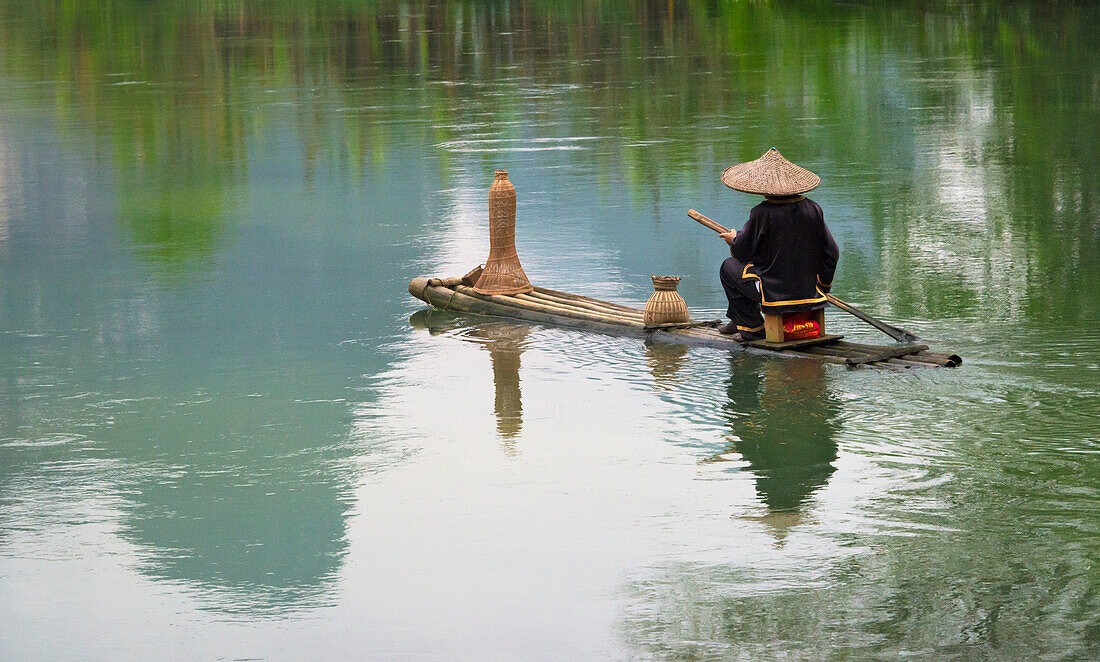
(563, 309)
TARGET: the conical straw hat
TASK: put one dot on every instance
(771, 174)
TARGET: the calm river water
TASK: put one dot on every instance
(228, 432)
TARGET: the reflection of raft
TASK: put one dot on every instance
(549, 306)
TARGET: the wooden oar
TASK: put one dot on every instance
(894, 332)
(901, 335)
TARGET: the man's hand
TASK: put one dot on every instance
(729, 236)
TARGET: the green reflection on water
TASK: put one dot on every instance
(785, 423)
(960, 126)
(239, 493)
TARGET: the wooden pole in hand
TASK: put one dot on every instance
(707, 222)
(894, 332)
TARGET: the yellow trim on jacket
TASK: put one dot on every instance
(791, 302)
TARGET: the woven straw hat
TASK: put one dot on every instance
(771, 174)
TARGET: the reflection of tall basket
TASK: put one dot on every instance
(503, 273)
(665, 305)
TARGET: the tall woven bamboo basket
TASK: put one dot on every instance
(665, 305)
(503, 273)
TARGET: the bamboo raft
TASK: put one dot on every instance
(563, 309)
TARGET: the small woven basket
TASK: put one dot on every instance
(665, 305)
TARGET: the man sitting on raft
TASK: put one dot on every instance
(784, 258)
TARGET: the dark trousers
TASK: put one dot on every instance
(744, 299)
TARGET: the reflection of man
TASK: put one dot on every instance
(784, 258)
(786, 429)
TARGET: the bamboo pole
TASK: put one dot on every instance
(805, 355)
(713, 225)
(904, 360)
(586, 304)
(513, 302)
(448, 299)
(579, 297)
(883, 348)
(574, 308)
(946, 360)
(580, 304)
(834, 351)
(872, 357)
